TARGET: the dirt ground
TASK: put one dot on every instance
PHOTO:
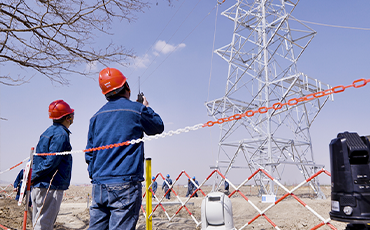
(287, 214)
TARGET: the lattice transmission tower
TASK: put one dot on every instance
(262, 70)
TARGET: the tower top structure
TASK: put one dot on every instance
(262, 57)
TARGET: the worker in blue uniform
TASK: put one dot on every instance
(166, 185)
(117, 172)
(51, 174)
(227, 187)
(190, 188)
(18, 184)
(154, 186)
(194, 186)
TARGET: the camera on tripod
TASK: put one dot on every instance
(350, 180)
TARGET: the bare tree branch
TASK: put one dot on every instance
(55, 38)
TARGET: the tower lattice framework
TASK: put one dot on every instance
(262, 70)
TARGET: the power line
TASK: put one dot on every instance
(213, 48)
(335, 26)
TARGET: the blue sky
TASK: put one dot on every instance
(177, 83)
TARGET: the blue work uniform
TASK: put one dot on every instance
(166, 187)
(54, 139)
(190, 188)
(116, 173)
(54, 171)
(154, 187)
(18, 183)
(226, 187)
(195, 187)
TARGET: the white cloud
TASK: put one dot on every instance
(165, 48)
(160, 47)
(141, 62)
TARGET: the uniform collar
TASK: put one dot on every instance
(65, 128)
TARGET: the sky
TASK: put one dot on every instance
(178, 79)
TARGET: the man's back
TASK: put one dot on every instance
(54, 139)
(117, 171)
(120, 120)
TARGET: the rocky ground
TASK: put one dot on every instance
(288, 214)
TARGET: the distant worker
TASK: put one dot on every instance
(190, 188)
(53, 170)
(117, 173)
(226, 187)
(18, 184)
(195, 186)
(166, 185)
(154, 186)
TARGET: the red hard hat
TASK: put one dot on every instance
(59, 109)
(111, 79)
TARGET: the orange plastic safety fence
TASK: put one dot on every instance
(107, 146)
(171, 189)
(261, 213)
(276, 106)
(292, 102)
(8, 190)
(289, 193)
(92, 149)
(3, 227)
(13, 167)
